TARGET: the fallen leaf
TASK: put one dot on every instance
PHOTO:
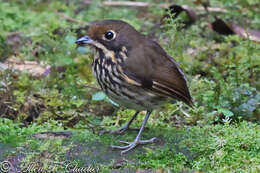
(224, 28)
(221, 27)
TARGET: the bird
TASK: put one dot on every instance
(133, 71)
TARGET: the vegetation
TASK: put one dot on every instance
(220, 134)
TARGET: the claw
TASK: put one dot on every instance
(130, 148)
(124, 142)
(119, 147)
(152, 140)
(132, 145)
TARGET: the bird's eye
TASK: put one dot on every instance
(109, 35)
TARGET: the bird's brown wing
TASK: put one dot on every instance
(150, 66)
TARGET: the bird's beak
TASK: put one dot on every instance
(84, 40)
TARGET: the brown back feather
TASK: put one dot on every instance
(150, 65)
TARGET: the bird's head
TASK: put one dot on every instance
(110, 34)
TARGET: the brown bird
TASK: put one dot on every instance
(133, 71)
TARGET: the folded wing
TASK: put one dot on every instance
(157, 71)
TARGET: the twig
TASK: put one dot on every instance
(128, 4)
(70, 19)
(146, 4)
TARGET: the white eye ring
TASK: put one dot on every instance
(109, 35)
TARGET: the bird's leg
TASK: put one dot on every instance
(125, 127)
(131, 145)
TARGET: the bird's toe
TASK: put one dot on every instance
(131, 145)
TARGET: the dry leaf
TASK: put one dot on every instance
(177, 9)
(222, 27)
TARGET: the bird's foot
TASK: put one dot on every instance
(131, 145)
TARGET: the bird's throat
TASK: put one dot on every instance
(100, 47)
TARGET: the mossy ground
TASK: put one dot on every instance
(220, 134)
(219, 148)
